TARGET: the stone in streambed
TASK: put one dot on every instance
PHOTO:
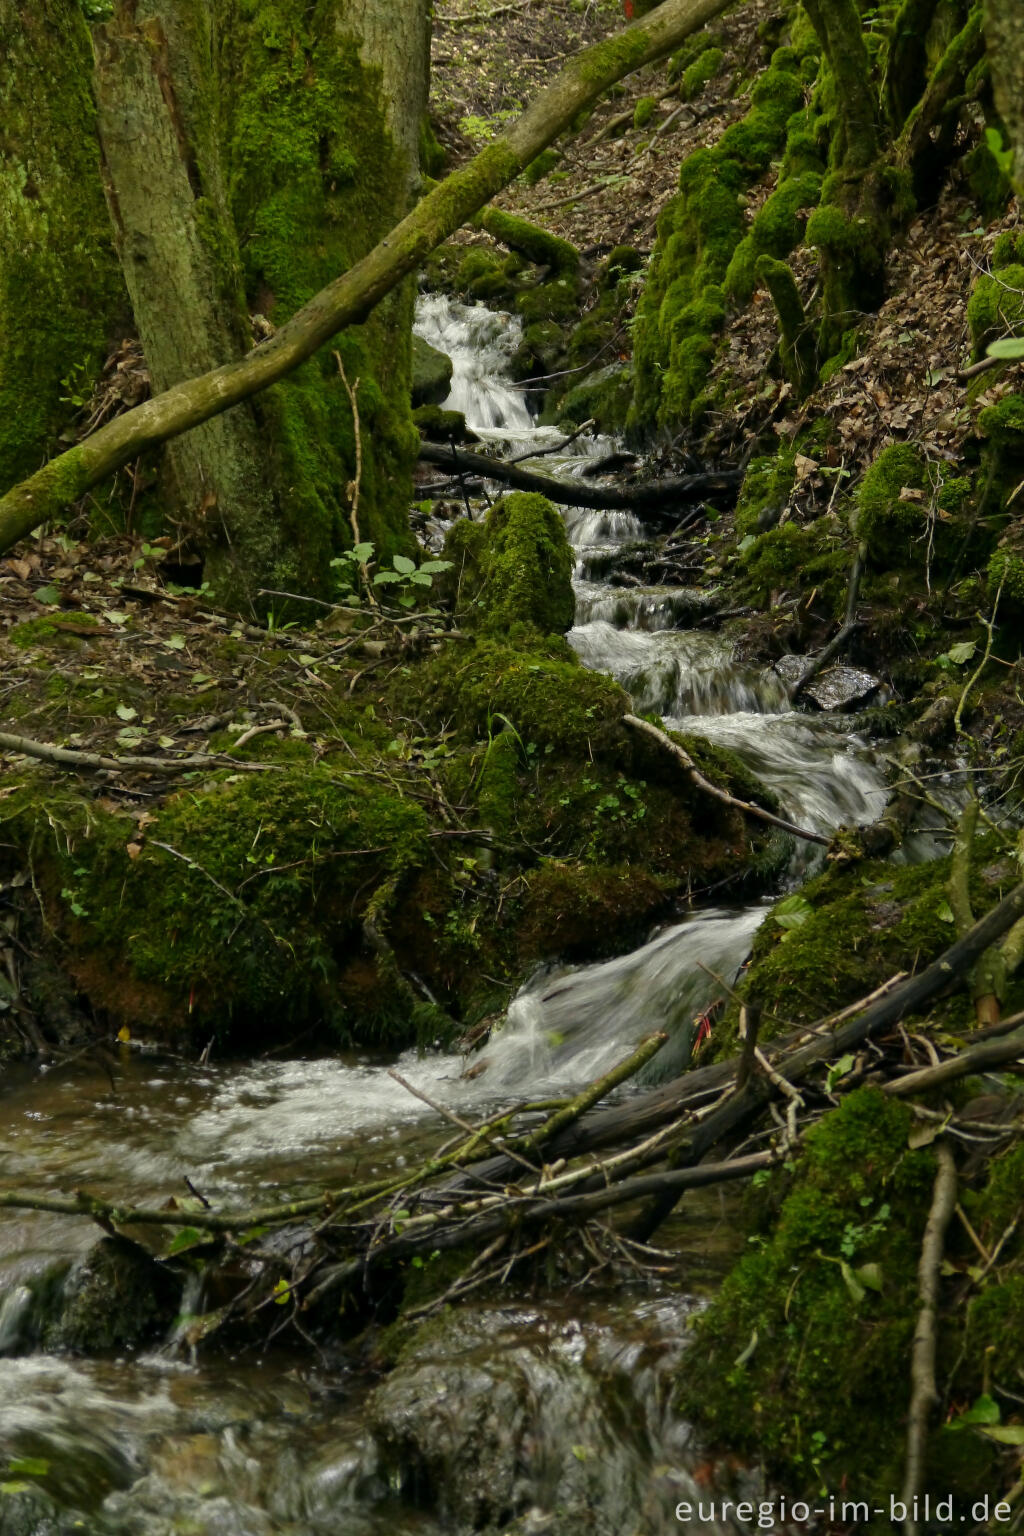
(837, 688)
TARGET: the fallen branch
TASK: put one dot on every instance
(692, 772)
(90, 762)
(924, 1393)
(977, 1058)
(350, 298)
(658, 496)
(850, 624)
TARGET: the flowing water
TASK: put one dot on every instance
(147, 1446)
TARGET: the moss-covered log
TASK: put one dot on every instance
(350, 298)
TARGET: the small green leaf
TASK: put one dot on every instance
(282, 1293)
(29, 1466)
(961, 653)
(1009, 347)
(793, 912)
(837, 1070)
(870, 1275)
(188, 1237)
(175, 642)
(125, 712)
(48, 595)
(434, 567)
(853, 1285)
(362, 552)
(1006, 1434)
(984, 1410)
(944, 912)
(403, 564)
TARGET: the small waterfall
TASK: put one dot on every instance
(572, 1023)
(481, 345)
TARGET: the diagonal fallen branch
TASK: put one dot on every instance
(693, 773)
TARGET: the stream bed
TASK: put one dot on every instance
(521, 1418)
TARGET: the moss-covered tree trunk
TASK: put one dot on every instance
(1004, 34)
(254, 149)
(59, 285)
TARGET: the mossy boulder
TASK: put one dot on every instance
(603, 398)
(776, 231)
(440, 426)
(892, 500)
(431, 374)
(795, 554)
(996, 306)
(683, 308)
(513, 569)
(827, 1293)
(239, 907)
(117, 1297)
(858, 926)
(704, 68)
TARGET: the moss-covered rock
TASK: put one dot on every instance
(827, 1294)
(857, 927)
(776, 231)
(704, 68)
(906, 514)
(513, 569)
(996, 306)
(810, 555)
(431, 374)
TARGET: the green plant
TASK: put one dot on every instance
(352, 568)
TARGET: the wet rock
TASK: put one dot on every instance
(503, 1421)
(117, 1297)
(837, 688)
(431, 374)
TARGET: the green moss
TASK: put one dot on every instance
(682, 308)
(1008, 250)
(788, 1324)
(550, 699)
(865, 923)
(989, 185)
(250, 910)
(54, 629)
(996, 306)
(766, 488)
(515, 569)
(439, 426)
(541, 166)
(797, 555)
(537, 245)
(313, 173)
(603, 397)
(644, 111)
(60, 287)
(776, 230)
(432, 155)
(704, 68)
(894, 530)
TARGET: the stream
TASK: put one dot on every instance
(521, 1418)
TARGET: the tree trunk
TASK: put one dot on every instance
(60, 290)
(254, 150)
(1004, 33)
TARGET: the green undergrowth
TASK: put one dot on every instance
(826, 1292)
(851, 928)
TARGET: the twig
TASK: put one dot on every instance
(835, 645)
(924, 1393)
(992, 1053)
(990, 625)
(67, 757)
(688, 765)
(750, 1022)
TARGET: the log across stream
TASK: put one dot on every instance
(150, 1443)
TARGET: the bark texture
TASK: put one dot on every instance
(1004, 34)
(254, 147)
(59, 284)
